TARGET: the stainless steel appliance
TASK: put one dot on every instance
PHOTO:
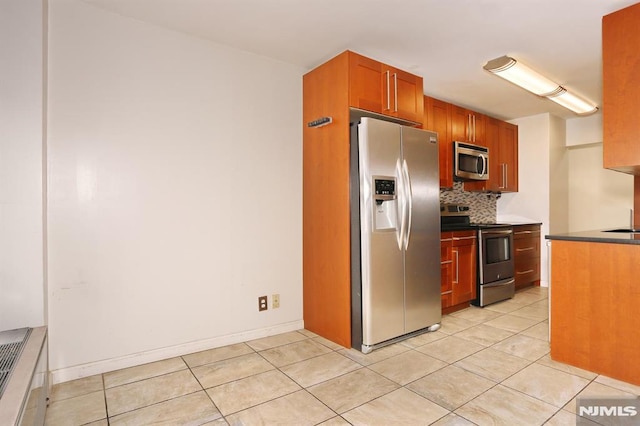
(470, 162)
(495, 264)
(495, 274)
(395, 232)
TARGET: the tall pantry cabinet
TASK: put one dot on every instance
(621, 95)
(348, 80)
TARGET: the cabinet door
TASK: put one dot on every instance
(366, 84)
(438, 119)
(406, 94)
(477, 131)
(464, 270)
(490, 140)
(459, 124)
(508, 156)
(446, 269)
(620, 90)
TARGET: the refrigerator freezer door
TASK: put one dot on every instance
(381, 256)
(422, 255)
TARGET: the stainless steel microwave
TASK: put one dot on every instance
(470, 162)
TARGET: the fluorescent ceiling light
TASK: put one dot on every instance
(523, 76)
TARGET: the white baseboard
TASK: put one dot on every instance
(112, 364)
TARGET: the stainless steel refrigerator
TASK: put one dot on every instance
(395, 232)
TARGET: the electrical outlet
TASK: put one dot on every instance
(275, 301)
(262, 303)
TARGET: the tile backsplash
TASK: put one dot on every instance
(482, 206)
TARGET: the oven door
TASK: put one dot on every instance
(495, 260)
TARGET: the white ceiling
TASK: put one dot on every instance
(445, 41)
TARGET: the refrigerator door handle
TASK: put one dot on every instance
(400, 199)
(409, 201)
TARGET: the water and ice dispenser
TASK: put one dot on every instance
(386, 204)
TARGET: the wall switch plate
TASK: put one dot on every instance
(262, 303)
(275, 301)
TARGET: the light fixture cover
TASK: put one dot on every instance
(523, 76)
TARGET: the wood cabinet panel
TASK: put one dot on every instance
(458, 269)
(330, 90)
(621, 91)
(526, 244)
(365, 83)
(326, 255)
(438, 119)
(380, 88)
(508, 157)
(594, 304)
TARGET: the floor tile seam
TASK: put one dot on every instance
(142, 380)
(564, 371)
(474, 398)
(515, 390)
(538, 399)
(406, 384)
(360, 367)
(104, 394)
(155, 403)
(213, 362)
(276, 346)
(251, 406)
(53, 401)
(299, 361)
(495, 343)
(526, 359)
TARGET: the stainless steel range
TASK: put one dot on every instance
(495, 274)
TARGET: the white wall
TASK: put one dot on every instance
(22, 95)
(175, 192)
(598, 198)
(531, 203)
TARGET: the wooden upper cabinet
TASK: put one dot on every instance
(377, 87)
(438, 119)
(365, 83)
(467, 125)
(620, 90)
(508, 157)
(502, 140)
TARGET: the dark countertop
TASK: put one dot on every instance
(449, 228)
(598, 236)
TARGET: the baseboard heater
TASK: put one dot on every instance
(24, 376)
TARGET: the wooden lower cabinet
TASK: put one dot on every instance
(594, 301)
(458, 269)
(526, 242)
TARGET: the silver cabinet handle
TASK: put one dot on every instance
(388, 91)
(457, 267)
(474, 128)
(524, 249)
(395, 93)
(446, 262)
(506, 175)
(464, 238)
(524, 272)
(524, 232)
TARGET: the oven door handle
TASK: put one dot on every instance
(499, 284)
(504, 232)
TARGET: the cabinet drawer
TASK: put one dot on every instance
(463, 238)
(526, 247)
(526, 231)
(445, 300)
(527, 270)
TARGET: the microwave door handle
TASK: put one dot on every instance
(484, 165)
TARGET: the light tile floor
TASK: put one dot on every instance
(486, 366)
